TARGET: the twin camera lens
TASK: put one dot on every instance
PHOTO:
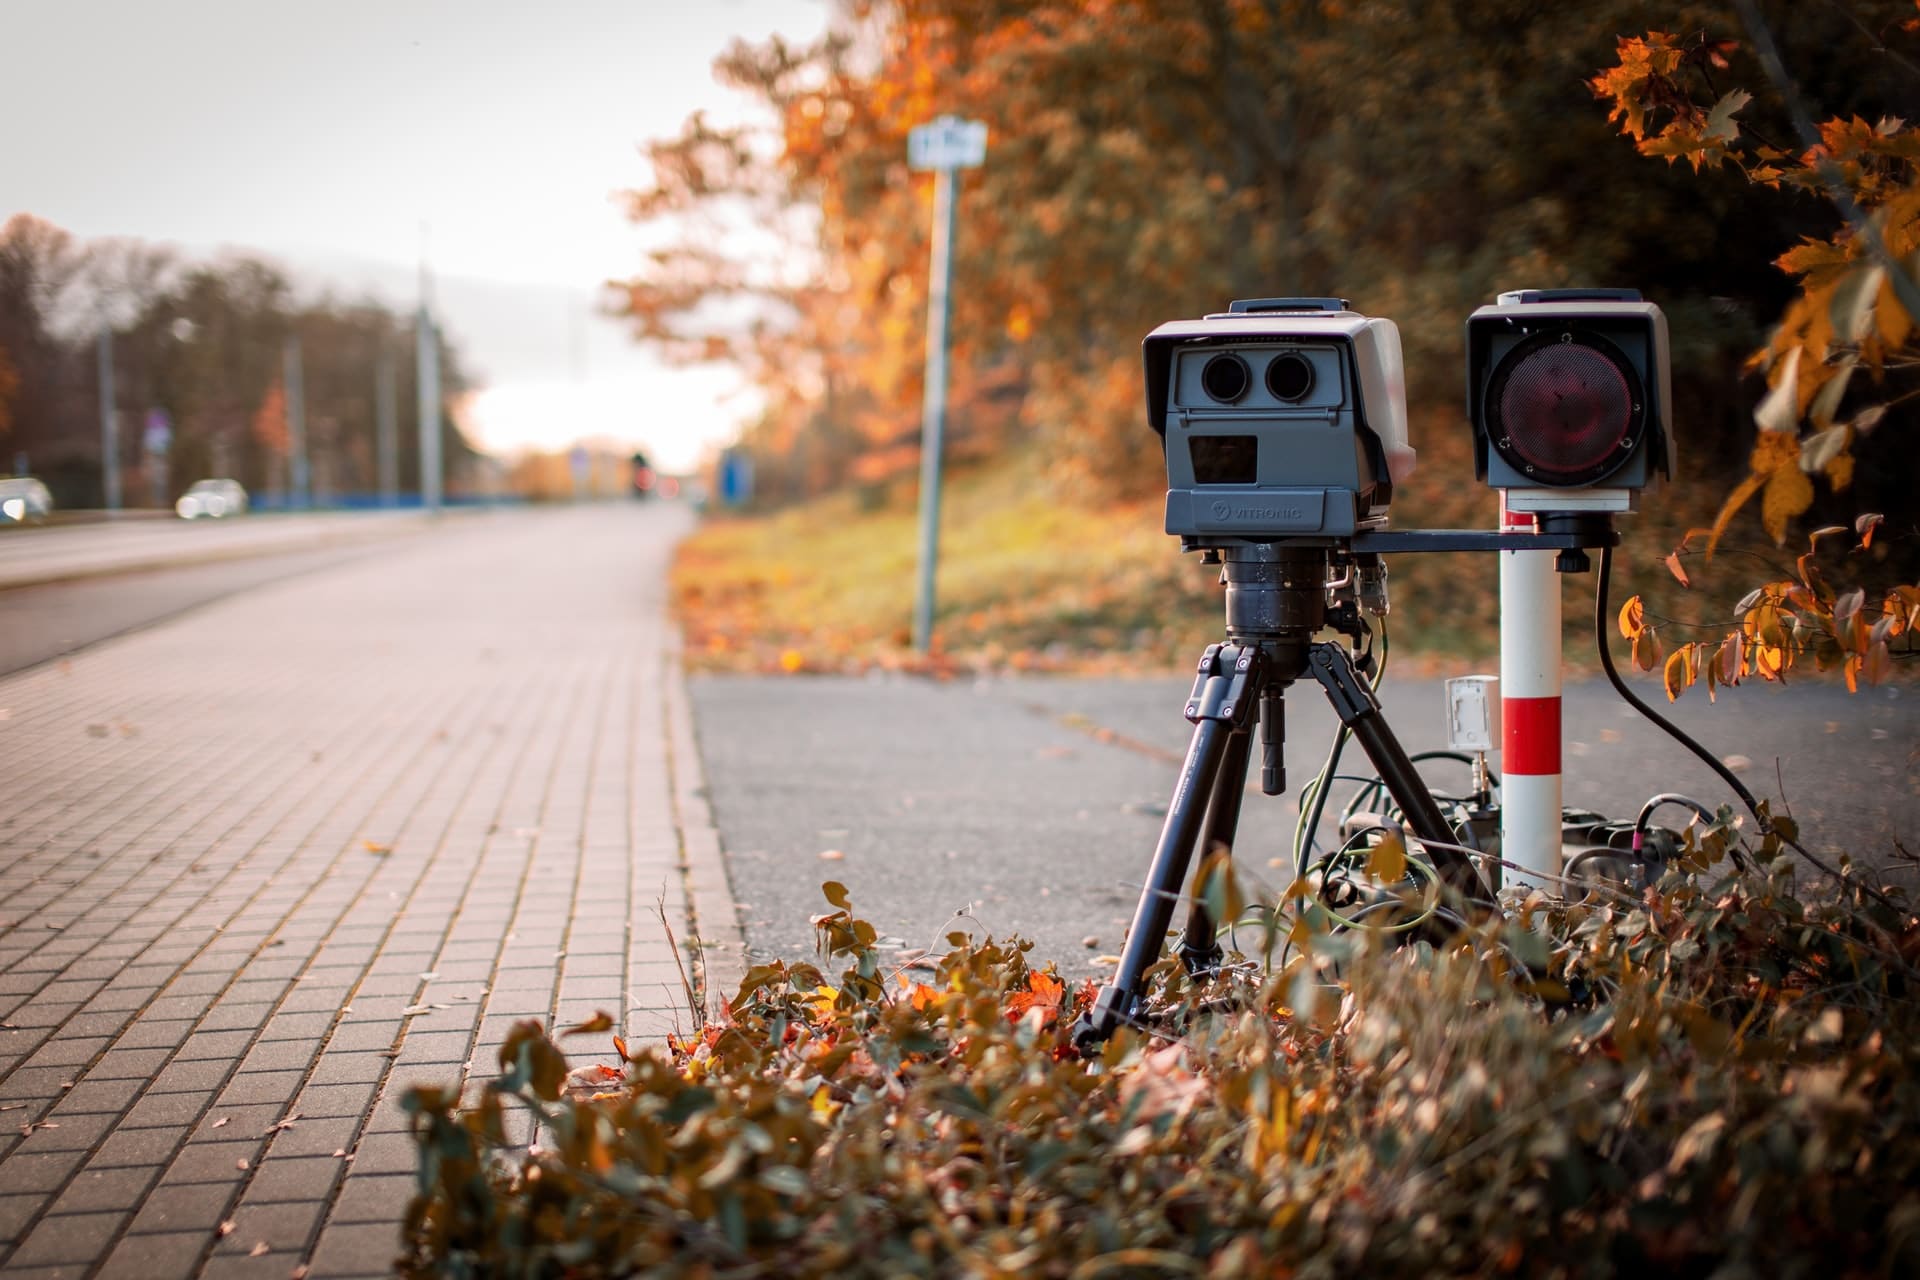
(1226, 378)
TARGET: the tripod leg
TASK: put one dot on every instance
(1360, 711)
(1230, 679)
(1198, 950)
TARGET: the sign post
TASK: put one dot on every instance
(109, 425)
(945, 146)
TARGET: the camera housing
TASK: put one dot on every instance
(1281, 419)
(1570, 398)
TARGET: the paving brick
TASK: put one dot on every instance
(205, 1075)
(215, 1161)
(371, 1197)
(69, 1238)
(248, 1266)
(183, 1207)
(149, 1148)
(335, 1099)
(128, 1064)
(62, 1132)
(386, 1153)
(95, 1190)
(100, 1095)
(294, 1178)
(231, 1123)
(214, 1044)
(348, 1068)
(67, 1051)
(145, 1257)
(316, 1137)
(18, 1210)
(355, 1250)
(166, 1110)
(261, 1086)
(44, 1171)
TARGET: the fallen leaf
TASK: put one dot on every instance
(374, 847)
(259, 1249)
(221, 1122)
(831, 855)
(601, 1021)
(225, 1228)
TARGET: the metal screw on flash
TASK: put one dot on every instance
(1193, 708)
(1506, 442)
(1227, 710)
(1529, 468)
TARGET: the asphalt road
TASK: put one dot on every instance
(1033, 804)
(69, 552)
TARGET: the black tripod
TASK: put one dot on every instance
(1277, 600)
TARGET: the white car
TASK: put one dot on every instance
(22, 498)
(213, 499)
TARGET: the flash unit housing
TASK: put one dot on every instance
(1570, 398)
(1281, 419)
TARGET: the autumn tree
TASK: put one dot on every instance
(204, 342)
(1839, 363)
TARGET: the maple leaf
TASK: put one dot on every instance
(1044, 992)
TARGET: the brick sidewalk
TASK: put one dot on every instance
(266, 866)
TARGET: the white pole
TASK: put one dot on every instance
(109, 424)
(933, 413)
(296, 389)
(386, 414)
(1530, 645)
(427, 353)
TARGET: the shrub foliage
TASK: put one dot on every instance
(1719, 1073)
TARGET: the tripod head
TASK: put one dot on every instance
(1280, 594)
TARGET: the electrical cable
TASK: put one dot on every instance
(1640, 823)
(1308, 827)
(1600, 617)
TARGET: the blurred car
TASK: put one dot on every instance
(212, 499)
(22, 498)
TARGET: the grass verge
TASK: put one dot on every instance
(1032, 578)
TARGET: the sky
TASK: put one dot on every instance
(345, 139)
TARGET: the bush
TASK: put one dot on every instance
(1719, 1074)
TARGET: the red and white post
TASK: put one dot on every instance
(1529, 706)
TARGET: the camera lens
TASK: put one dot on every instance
(1225, 378)
(1566, 408)
(1290, 376)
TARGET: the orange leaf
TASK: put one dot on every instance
(1679, 672)
(1633, 618)
(1677, 569)
(1731, 507)
(1789, 493)
(1043, 992)
(600, 1021)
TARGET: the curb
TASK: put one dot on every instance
(182, 558)
(720, 940)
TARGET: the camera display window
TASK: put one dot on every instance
(1225, 459)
